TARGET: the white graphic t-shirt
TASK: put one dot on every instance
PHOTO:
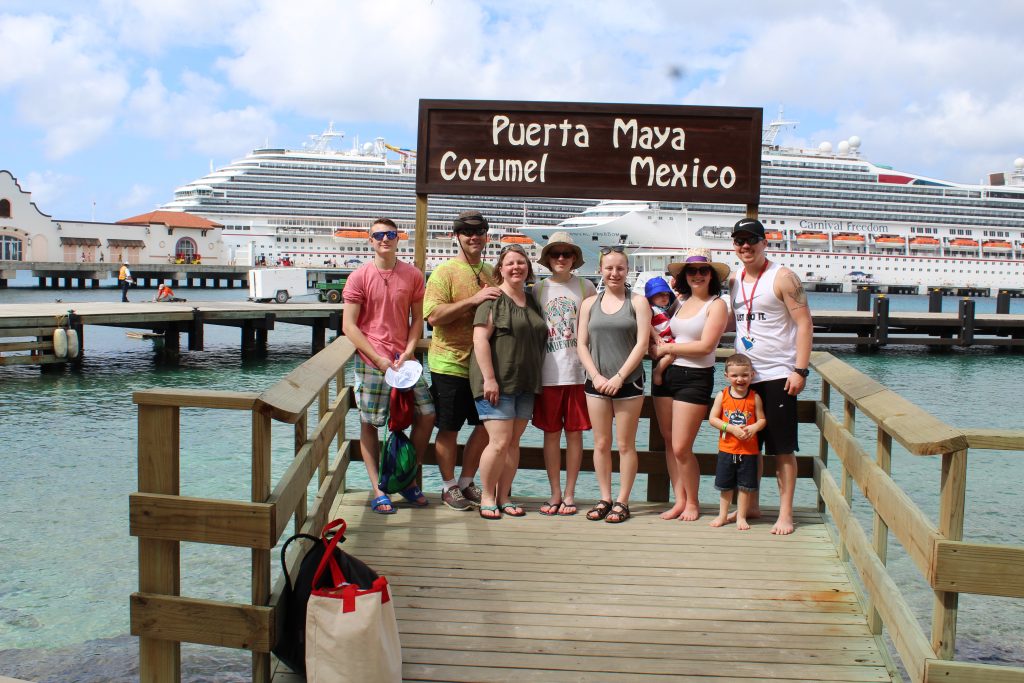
(560, 302)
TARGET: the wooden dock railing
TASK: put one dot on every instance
(161, 518)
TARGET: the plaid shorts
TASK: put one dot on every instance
(373, 394)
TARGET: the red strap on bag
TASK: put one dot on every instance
(328, 559)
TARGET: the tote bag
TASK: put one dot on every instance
(351, 633)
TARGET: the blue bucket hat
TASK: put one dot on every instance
(657, 285)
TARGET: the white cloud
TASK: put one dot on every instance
(138, 199)
(47, 187)
(153, 27)
(62, 78)
(191, 115)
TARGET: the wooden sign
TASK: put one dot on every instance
(597, 151)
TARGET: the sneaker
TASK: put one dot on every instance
(472, 494)
(453, 498)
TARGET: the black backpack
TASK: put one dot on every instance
(291, 642)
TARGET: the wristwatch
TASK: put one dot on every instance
(803, 372)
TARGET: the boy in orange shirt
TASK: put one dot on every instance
(739, 415)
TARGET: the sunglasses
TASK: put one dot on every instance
(618, 249)
(561, 254)
(388, 234)
(749, 241)
(698, 270)
(472, 232)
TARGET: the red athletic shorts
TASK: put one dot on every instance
(561, 407)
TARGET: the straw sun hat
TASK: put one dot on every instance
(700, 257)
(564, 238)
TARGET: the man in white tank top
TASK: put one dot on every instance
(773, 328)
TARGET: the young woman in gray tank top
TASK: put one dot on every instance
(613, 334)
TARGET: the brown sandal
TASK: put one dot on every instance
(621, 512)
(599, 511)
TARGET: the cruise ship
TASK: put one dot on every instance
(312, 207)
(832, 216)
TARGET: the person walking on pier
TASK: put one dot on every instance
(454, 291)
(124, 280)
(383, 318)
(614, 330)
(774, 329)
(562, 403)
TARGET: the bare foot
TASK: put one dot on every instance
(783, 527)
(742, 524)
(753, 513)
(690, 513)
(672, 513)
(718, 521)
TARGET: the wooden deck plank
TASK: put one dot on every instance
(567, 599)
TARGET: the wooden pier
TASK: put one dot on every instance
(29, 327)
(565, 599)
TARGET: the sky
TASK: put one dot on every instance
(106, 106)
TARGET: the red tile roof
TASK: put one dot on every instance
(172, 219)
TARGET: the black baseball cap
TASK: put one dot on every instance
(470, 219)
(751, 225)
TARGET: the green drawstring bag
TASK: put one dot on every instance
(397, 455)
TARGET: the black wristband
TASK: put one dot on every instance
(803, 372)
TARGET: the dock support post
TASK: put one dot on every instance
(935, 300)
(881, 320)
(260, 566)
(319, 335)
(261, 337)
(966, 322)
(658, 484)
(159, 561)
(952, 487)
(1003, 302)
(863, 298)
(195, 331)
(883, 456)
(846, 482)
(172, 342)
(248, 337)
(826, 397)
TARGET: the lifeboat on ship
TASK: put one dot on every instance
(963, 243)
(849, 240)
(997, 246)
(924, 243)
(516, 239)
(889, 240)
(403, 235)
(351, 234)
(812, 239)
(773, 236)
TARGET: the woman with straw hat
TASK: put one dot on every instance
(562, 405)
(697, 327)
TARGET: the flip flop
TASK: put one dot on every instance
(489, 508)
(550, 509)
(379, 502)
(413, 495)
(565, 506)
(506, 507)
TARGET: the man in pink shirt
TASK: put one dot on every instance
(384, 320)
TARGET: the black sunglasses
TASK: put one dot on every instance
(472, 232)
(698, 270)
(389, 234)
(750, 240)
(561, 254)
(618, 249)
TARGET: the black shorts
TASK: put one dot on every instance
(735, 471)
(779, 437)
(689, 385)
(627, 390)
(453, 402)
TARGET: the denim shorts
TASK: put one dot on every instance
(510, 407)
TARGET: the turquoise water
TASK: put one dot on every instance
(68, 464)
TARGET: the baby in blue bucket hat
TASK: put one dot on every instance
(663, 307)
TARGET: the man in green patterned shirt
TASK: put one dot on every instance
(454, 290)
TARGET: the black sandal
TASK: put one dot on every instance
(621, 512)
(599, 511)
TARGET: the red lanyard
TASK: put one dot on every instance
(753, 290)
